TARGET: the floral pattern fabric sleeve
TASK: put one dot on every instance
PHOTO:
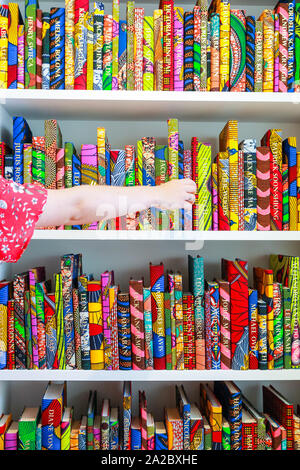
(20, 209)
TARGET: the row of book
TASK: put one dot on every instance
(246, 187)
(87, 323)
(214, 48)
(223, 419)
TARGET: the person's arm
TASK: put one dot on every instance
(87, 204)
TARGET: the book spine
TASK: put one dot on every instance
(57, 48)
(237, 50)
(168, 46)
(21, 134)
(30, 43)
(289, 147)
(173, 138)
(40, 290)
(215, 52)
(197, 48)
(130, 44)
(148, 170)
(66, 268)
(69, 44)
(60, 169)
(209, 56)
(250, 53)
(96, 325)
(297, 48)
(188, 59)
(224, 290)
(19, 285)
(203, 199)
(27, 163)
(101, 156)
(137, 324)
(148, 329)
(21, 57)
(171, 288)
(51, 419)
(158, 315)
(84, 323)
(127, 422)
(12, 53)
(65, 435)
(107, 52)
(178, 48)
(90, 51)
(196, 281)
(115, 43)
(98, 46)
(10, 335)
(158, 49)
(80, 35)
(113, 299)
(106, 281)
(241, 208)
(208, 339)
(283, 16)
(285, 196)
(187, 173)
(130, 181)
(276, 52)
(39, 47)
(77, 338)
(122, 57)
(148, 54)
(263, 188)
(38, 160)
(138, 41)
(294, 289)
(224, 46)
(253, 330)
(223, 197)
(268, 50)
(197, 435)
(53, 140)
(203, 42)
(35, 275)
(291, 48)
(89, 173)
(168, 331)
(50, 331)
(215, 325)
(150, 437)
(189, 332)
(215, 209)
(60, 322)
(124, 332)
(287, 342)
(179, 322)
(259, 63)
(27, 435)
(298, 188)
(4, 325)
(46, 51)
(278, 325)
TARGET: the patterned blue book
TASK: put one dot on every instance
(122, 78)
(57, 48)
(180, 175)
(76, 176)
(160, 436)
(21, 135)
(230, 398)
(82, 434)
(136, 434)
(185, 410)
(46, 52)
(84, 322)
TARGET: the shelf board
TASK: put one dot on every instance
(151, 105)
(123, 235)
(148, 376)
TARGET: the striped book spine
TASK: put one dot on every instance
(287, 341)
(84, 322)
(53, 141)
(289, 148)
(263, 188)
(215, 52)
(278, 325)
(179, 322)
(77, 337)
(178, 48)
(80, 35)
(259, 58)
(158, 315)
(60, 322)
(113, 314)
(283, 17)
(241, 208)
(137, 324)
(89, 172)
(148, 328)
(12, 52)
(168, 46)
(237, 50)
(50, 329)
(115, 43)
(250, 52)
(46, 52)
(253, 329)
(208, 355)
(21, 57)
(158, 50)
(122, 58)
(4, 294)
(30, 43)
(189, 332)
(285, 194)
(98, 46)
(224, 46)
(41, 289)
(69, 44)
(276, 52)
(267, 17)
(215, 325)
(188, 57)
(224, 292)
(130, 44)
(187, 173)
(248, 147)
(148, 53)
(89, 21)
(197, 48)
(39, 47)
(196, 283)
(124, 332)
(291, 46)
(67, 272)
(171, 290)
(10, 335)
(95, 325)
(20, 285)
(139, 48)
(203, 203)
(168, 331)
(106, 282)
(203, 44)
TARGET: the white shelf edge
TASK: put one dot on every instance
(149, 376)
(123, 235)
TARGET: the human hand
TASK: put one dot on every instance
(176, 194)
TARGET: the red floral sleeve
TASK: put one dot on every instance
(20, 209)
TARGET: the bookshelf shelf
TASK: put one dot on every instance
(151, 106)
(149, 376)
(124, 235)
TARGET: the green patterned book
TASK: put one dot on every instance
(27, 428)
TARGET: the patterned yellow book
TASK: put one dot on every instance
(90, 51)
(3, 46)
(267, 17)
(115, 44)
(224, 46)
(96, 325)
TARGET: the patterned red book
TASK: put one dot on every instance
(189, 332)
(168, 49)
(282, 410)
(137, 324)
(249, 431)
(10, 335)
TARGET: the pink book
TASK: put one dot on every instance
(106, 281)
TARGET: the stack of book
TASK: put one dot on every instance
(222, 420)
(82, 322)
(247, 186)
(208, 48)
